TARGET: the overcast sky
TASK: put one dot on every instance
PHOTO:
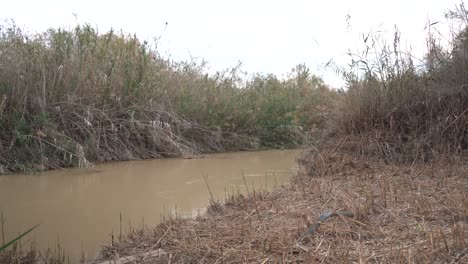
(266, 36)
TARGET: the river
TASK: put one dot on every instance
(79, 209)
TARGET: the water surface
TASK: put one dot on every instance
(81, 208)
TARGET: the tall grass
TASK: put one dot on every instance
(72, 97)
(397, 110)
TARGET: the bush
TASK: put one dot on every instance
(71, 97)
(405, 113)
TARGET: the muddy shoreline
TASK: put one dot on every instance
(400, 213)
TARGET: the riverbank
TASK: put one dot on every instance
(389, 169)
(115, 197)
(389, 187)
(74, 97)
(416, 214)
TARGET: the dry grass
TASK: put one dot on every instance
(19, 253)
(402, 214)
(395, 158)
(77, 96)
(407, 110)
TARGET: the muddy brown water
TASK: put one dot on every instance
(80, 208)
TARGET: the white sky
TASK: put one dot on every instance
(266, 36)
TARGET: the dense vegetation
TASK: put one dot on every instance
(71, 97)
(400, 110)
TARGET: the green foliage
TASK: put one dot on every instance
(17, 238)
(83, 96)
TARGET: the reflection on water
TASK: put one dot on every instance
(81, 208)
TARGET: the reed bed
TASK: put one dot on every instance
(393, 158)
(73, 97)
(403, 110)
(391, 166)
